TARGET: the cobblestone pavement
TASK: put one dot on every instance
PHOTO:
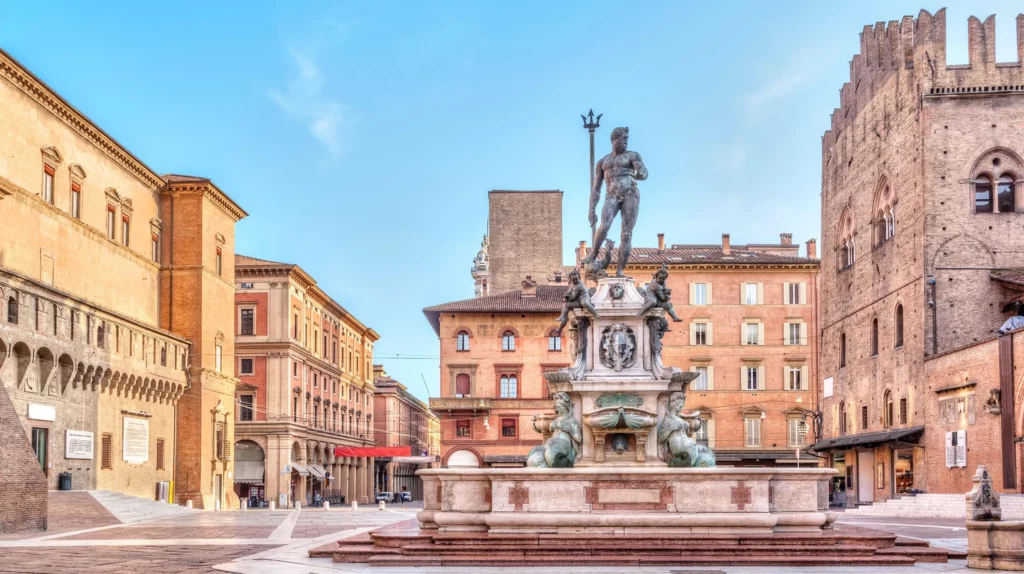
(70, 511)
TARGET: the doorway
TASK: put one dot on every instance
(865, 476)
(40, 442)
(218, 491)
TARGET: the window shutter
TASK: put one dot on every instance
(743, 378)
(760, 333)
(803, 293)
(693, 298)
(760, 293)
(785, 294)
(743, 293)
(708, 292)
(743, 333)
(803, 333)
(693, 332)
(785, 333)
(711, 380)
(711, 430)
(760, 378)
(805, 381)
(710, 333)
(105, 452)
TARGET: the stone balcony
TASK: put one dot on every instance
(486, 404)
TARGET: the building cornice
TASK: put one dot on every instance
(48, 99)
(211, 192)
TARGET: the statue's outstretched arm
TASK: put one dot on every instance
(638, 165)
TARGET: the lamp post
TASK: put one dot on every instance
(590, 123)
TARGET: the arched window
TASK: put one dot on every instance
(983, 194)
(163, 356)
(874, 337)
(554, 341)
(508, 341)
(842, 417)
(848, 248)
(462, 385)
(898, 322)
(509, 387)
(885, 213)
(888, 409)
(842, 350)
(1005, 200)
(100, 336)
(12, 310)
(462, 341)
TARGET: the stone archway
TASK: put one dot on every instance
(464, 458)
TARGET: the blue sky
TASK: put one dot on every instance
(363, 137)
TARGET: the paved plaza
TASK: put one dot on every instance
(86, 535)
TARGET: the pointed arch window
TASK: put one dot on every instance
(842, 418)
(983, 194)
(1005, 194)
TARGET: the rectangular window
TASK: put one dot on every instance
(155, 246)
(794, 378)
(509, 387)
(796, 432)
(295, 326)
(794, 293)
(508, 428)
(701, 436)
(752, 432)
(218, 356)
(247, 321)
(462, 384)
(751, 378)
(316, 380)
(220, 436)
(462, 429)
(106, 451)
(220, 262)
(701, 383)
(793, 333)
(245, 366)
(903, 411)
(864, 418)
(111, 222)
(295, 409)
(700, 293)
(750, 293)
(160, 454)
(48, 174)
(125, 229)
(700, 334)
(40, 446)
(245, 408)
(751, 333)
(76, 201)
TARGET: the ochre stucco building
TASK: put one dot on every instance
(113, 310)
(305, 387)
(402, 420)
(921, 213)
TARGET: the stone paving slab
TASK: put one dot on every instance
(173, 532)
(124, 559)
(68, 511)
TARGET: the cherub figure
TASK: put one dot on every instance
(658, 295)
(577, 297)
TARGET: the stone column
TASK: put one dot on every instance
(352, 486)
(368, 488)
(272, 468)
(343, 479)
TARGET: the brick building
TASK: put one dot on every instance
(524, 237)
(402, 420)
(305, 387)
(111, 284)
(921, 204)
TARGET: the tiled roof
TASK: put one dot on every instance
(178, 178)
(241, 260)
(548, 300)
(705, 256)
(1012, 276)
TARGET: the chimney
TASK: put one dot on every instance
(529, 287)
(558, 276)
(725, 244)
(812, 248)
(661, 243)
(786, 238)
(582, 251)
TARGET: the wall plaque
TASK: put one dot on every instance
(78, 444)
(42, 412)
(135, 440)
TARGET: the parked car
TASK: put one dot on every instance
(384, 497)
(406, 497)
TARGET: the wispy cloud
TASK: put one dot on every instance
(328, 120)
(803, 66)
(729, 158)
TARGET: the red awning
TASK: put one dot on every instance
(380, 451)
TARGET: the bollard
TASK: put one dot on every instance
(188, 505)
(245, 505)
(298, 505)
(273, 506)
(380, 505)
(216, 505)
(327, 506)
(355, 505)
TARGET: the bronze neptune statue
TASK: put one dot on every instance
(620, 169)
(561, 449)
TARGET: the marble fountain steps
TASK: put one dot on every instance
(406, 545)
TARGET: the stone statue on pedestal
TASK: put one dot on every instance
(658, 295)
(561, 449)
(675, 445)
(621, 169)
(577, 297)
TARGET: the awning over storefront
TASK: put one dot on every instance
(869, 439)
(248, 472)
(414, 459)
(787, 456)
(296, 467)
(372, 451)
(317, 472)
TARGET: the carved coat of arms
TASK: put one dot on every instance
(618, 347)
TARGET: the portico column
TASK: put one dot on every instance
(343, 479)
(352, 485)
(368, 488)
